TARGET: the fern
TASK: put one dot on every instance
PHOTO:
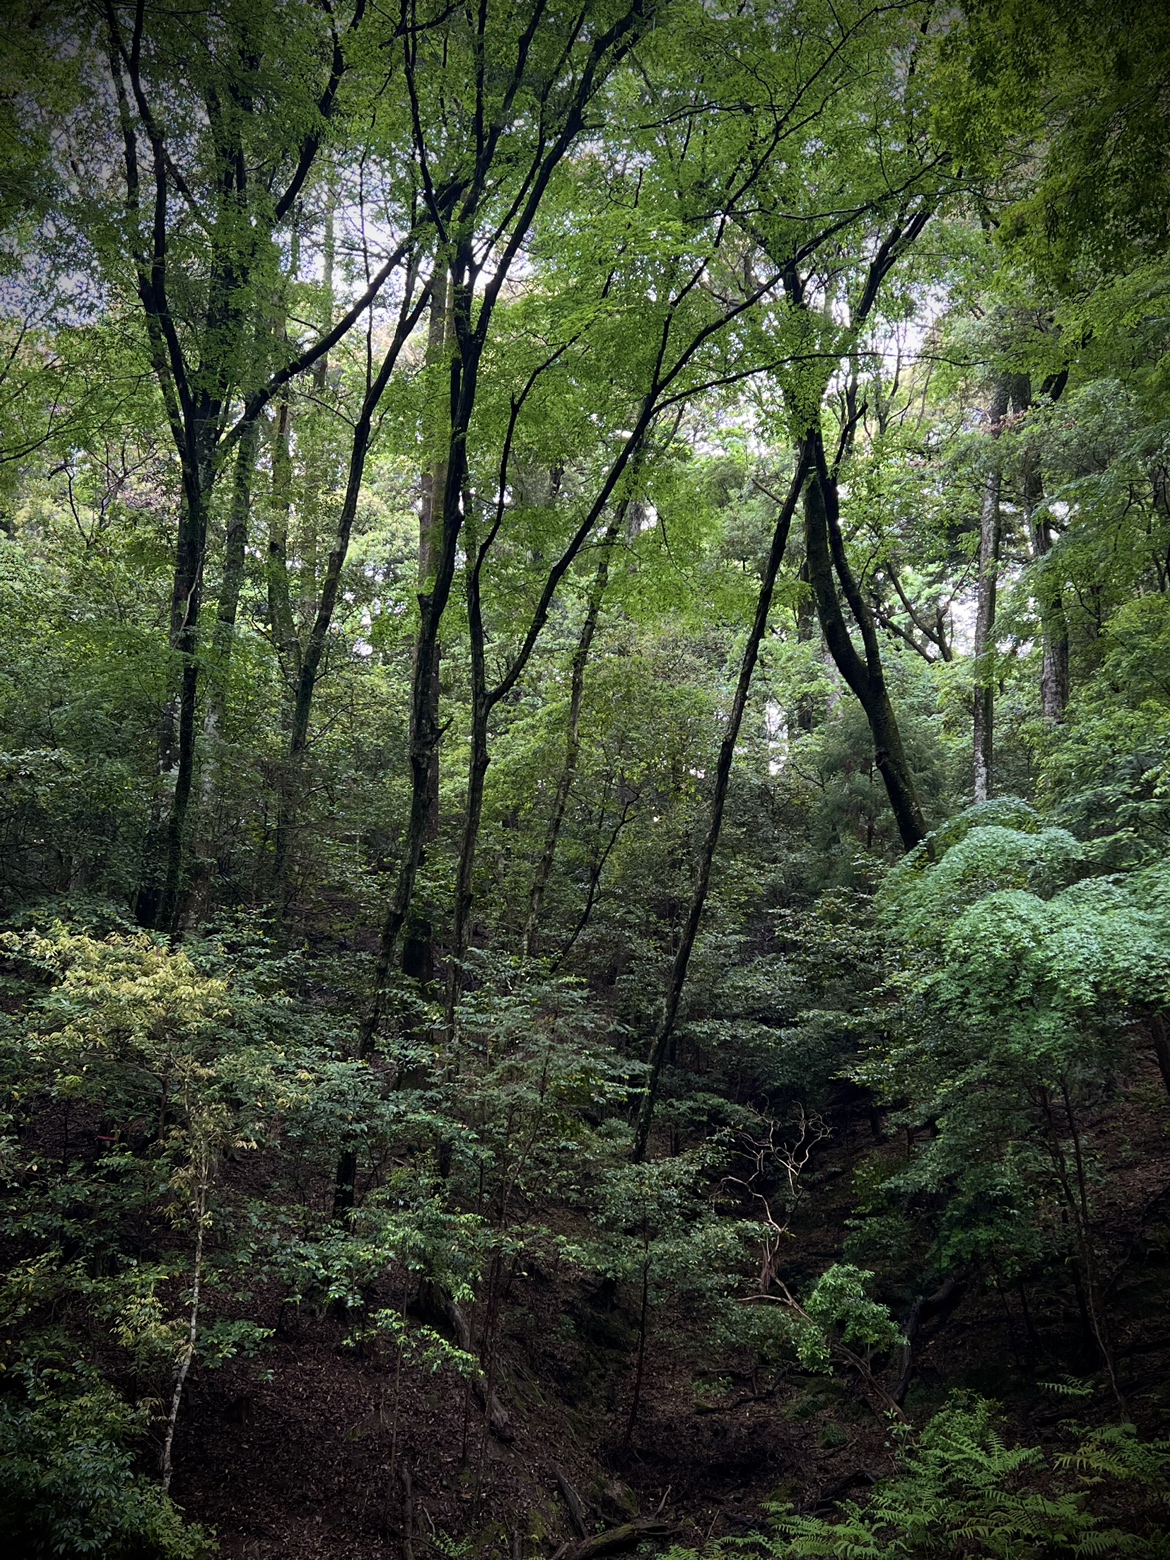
(961, 1489)
(1068, 1386)
(1114, 1452)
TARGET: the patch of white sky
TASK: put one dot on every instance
(750, 419)
(897, 346)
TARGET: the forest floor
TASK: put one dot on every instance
(322, 1448)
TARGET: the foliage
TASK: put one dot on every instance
(959, 1481)
(944, 877)
(68, 1483)
(433, 737)
(838, 1306)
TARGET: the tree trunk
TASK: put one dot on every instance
(640, 1366)
(476, 774)
(601, 854)
(1053, 620)
(1054, 673)
(425, 731)
(1160, 1034)
(747, 666)
(988, 579)
(471, 284)
(186, 601)
(234, 558)
(593, 602)
(418, 947)
(485, 700)
(310, 658)
(825, 552)
(199, 380)
(227, 608)
(280, 617)
(1054, 668)
(282, 626)
(807, 629)
(202, 1158)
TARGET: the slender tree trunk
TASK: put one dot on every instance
(682, 958)
(198, 385)
(425, 732)
(544, 866)
(425, 729)
(235, 549)
(280, 617)
(345, 1185)
(418, 944)
(282, 625)
(313, 651)
(1053, 619)
(485, 700)
(425, 735)
(315, 474)
(807, 628)
(1160, 1035)
(470, 284)
(186, 601)
(1054, 671)
(312, 655)
(601, 855)
(476, 775)
(825, 552)
(488, 1354)
(1054, 666)
(1078, 1206)
(988, 579)
(227, 608)
(1158, 1028)
(202, 1189)
(640, 1366)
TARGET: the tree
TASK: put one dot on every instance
(482, 204)
(219, 128)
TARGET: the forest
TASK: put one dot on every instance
(584, 779)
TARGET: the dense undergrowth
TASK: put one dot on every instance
(176, 1117)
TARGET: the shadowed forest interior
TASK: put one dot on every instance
(584, 779)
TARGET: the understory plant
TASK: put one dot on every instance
(961, 1488)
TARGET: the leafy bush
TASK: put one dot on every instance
(837, 1305)
(68, 1485)
(992, 847)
